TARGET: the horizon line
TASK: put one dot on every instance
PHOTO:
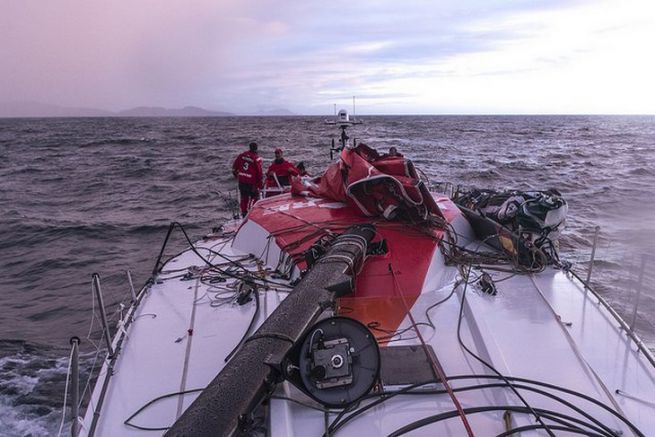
(443, 114)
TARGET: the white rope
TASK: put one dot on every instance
(88, 380)
(63, 410)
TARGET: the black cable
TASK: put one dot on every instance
(224, 272)
(434, 305)
(144, 428)
(306, 404)
(252, 323)
(336, 420)
(390, 334)
(532, 427)
(602, 428)
(383, 397)
(237, 264)
(558, 388)
(553, 415)
(336, 424)
(486, 364)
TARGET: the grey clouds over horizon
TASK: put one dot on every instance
(402, 57)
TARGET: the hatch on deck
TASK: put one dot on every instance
(406, 365)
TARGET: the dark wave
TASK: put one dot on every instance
(115, 141)
(642, 171)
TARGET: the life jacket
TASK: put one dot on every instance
(247, 168)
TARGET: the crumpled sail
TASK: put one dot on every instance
(377, 185)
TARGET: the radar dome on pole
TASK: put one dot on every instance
(343, 115)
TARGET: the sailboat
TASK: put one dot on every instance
(362, 303)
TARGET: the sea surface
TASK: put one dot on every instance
(79, 196)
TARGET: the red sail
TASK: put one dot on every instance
(376, 185)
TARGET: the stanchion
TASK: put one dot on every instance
(638, 290)
(75, 386)
(103, 315)
(593, 255)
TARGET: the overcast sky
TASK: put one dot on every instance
(400, 56)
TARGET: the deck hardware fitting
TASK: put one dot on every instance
(593, 255)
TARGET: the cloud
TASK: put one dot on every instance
(412, 56)
(121, 53)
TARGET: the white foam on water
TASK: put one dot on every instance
(23, 409)
(21, 421)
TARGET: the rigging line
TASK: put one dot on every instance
(63, 408)
(237, 263)
(267, 248)
(225, 272)
(577, 351)
(88, 379)
(243, 339)
(488, 365)
(434, 361)
(97, 353)
(187, 354)
(328, 231)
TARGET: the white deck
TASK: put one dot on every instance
(159, 356)
(543, 327)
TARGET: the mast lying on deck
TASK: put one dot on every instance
(253, 371)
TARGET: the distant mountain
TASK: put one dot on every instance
(157, 111)
(36, 109)
(275, 111)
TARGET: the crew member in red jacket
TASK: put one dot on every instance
(247, 168)
(282, 169)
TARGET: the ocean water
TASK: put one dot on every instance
(79, 196)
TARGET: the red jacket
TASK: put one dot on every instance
(247, 168)
(283, 170)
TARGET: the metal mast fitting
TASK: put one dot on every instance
(95, 281)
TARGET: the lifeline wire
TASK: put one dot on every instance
(63, 409)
